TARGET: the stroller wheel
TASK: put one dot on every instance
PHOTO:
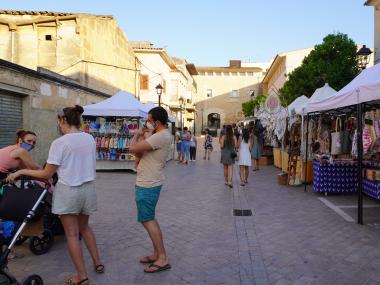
(32, 280)
(41, 245)
(20, 240)
(4, 279)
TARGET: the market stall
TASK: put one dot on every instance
(361, 97)
(113, 122)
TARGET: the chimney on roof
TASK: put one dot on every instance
(235, 63)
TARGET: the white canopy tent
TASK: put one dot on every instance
(363, 88)
(297, 105)
(321, 94)
(122, 104)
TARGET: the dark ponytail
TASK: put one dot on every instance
(73, 115)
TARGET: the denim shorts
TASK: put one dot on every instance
(146, 201)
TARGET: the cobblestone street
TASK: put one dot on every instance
(292, 237)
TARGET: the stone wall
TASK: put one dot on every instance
(42, 96)
(90, 49)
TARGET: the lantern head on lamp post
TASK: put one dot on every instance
(159, 89)
(363, 55)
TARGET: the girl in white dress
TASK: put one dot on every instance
(245, 147)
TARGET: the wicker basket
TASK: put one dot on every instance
(282, 179)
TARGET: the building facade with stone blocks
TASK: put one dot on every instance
(158, 67)
(376, 6)
(90, 49)
(30, 99)
(222, 90)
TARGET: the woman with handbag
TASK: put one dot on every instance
(228, 154)
(72, 156)
(256, 149)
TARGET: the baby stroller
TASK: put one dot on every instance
(22, 205)
(41, 232)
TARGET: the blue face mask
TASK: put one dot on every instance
(27, 146)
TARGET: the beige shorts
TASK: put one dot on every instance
(74, 199)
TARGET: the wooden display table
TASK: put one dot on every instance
(300, 163)
(277, 157)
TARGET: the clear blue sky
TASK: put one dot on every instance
(211, 32)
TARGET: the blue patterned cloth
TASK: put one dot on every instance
(335, 178)
(371, 188)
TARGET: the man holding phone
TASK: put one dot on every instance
(154, 151)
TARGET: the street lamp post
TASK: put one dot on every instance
(159, 89)
(180, 100)
(363, 55)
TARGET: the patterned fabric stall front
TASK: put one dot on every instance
(371, 188)
(335, 178)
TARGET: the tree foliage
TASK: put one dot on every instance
(333, 62)
(250, 106)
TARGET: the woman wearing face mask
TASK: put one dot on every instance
(72, 156)
(17, 155)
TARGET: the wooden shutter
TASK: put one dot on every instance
(144, 81)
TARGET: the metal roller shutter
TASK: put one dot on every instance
(10, 118)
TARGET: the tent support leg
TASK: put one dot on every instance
(360, 163)
(306, 152)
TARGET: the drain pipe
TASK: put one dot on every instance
(12, 29)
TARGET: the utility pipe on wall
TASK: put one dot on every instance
(12, 45)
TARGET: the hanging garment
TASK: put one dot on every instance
(112, 142)
(367, 139)
(336, 144)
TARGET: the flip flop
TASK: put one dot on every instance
(82, 282)
(99, 268)
(157, 268)
(146, 260)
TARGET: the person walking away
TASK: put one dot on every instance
(149, 181)
(245, 147)
(236, 131)
(72, 156)
(185, 141)
(256, 149)
(208, 145)
(178, 144)
(193, 147)
(228, 154)
(222, 133)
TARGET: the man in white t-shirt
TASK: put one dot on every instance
(149, 180)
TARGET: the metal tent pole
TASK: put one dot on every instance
(306, 151)
(360, 162)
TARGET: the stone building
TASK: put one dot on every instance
(376, 6)
(282, 65)
(30, 99)
(90, 49)
(222, 90)
(158, 67)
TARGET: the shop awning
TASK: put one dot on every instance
(363, 88)
(122, 104)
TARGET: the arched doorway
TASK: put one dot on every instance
(213, 123)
